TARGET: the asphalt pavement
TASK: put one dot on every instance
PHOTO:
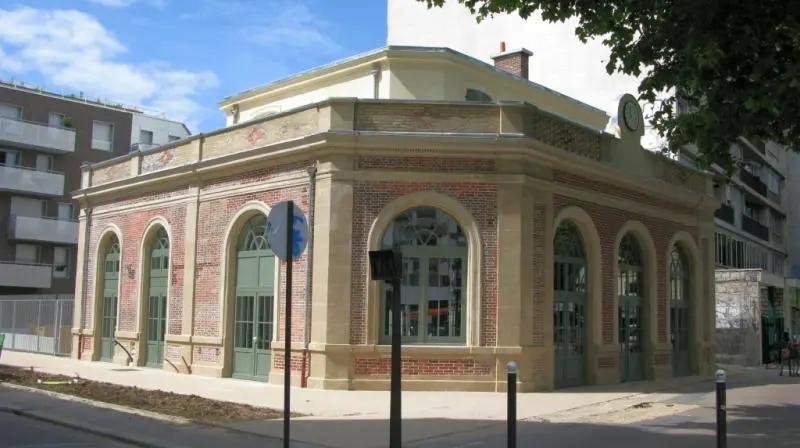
(21, 432)
(763, 409)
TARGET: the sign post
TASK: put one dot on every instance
(287, 234)
(387, 265)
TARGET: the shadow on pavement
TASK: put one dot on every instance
(444, 433)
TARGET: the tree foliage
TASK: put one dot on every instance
(736, 63)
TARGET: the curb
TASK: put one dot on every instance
(80, 428)
(101, 404)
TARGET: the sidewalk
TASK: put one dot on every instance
(334, 404)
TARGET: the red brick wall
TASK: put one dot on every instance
(213, 219)
(424, 367)
(608, 221)
(132, 227)
(369, 200)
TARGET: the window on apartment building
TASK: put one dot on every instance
(775, 223)
(61, 256)
(66, 211)
(10, 158)
(55, 119)
(21, 206)
(733, 196)
(173, 138)
(752, 211)
(102, 136)
(27, 254)
(10, 111)
(777, 264)
(751, 168)
(773, 182)
(477, 95)
(146, 137)
(44, 162)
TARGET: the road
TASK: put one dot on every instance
(21, 432)
(762, 411)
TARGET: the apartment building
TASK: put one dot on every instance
(44, 139)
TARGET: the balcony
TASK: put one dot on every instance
(19, 179)
(47, 230)
(753, 182)
(755, 228)
(726, 213)
(143, 147)
(21, 275)
(37, 136)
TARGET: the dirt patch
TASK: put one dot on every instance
(187, 406)
(638, 413)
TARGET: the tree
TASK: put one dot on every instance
(736, 64)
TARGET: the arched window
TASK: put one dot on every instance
(433, 301)
(570, 259)
(631, 267)
(254, 235)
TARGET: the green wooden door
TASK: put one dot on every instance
(679, 317)
(253, 316)
(157, 300)
(631, 311)
(108, 306)
(570, 307)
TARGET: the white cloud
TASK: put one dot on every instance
(125, 3)
(114, 3)
(74, 51)
(293, 27)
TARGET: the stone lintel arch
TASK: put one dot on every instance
(145, 246)
(474, 256)
(594, 254)
(227, 271)
(109, 232)
(686, 242)
(649, 255)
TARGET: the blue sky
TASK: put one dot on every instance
(179, 57)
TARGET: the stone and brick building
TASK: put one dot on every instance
(528, 234)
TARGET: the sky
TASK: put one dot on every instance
(178, 57)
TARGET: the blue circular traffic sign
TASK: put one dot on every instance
(277, 233)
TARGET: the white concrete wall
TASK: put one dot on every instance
(160, 128)
(560, 61)
(358, 83)
(738, 310)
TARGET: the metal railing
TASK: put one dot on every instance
(39, 325)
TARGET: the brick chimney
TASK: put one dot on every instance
(514, 61)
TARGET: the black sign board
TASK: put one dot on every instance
(385, 265)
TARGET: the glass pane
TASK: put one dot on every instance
(424, 226)
(444, 295)
(409, 303)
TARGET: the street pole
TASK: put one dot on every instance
(722, 418)
(287, 354)
(395, 414)
(511, 417)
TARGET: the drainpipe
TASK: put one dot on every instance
(376, 78)
(312, 184)
(85, 281)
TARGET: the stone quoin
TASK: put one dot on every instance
(526, 236)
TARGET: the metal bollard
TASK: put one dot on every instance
(722, 418)
(511, 419)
